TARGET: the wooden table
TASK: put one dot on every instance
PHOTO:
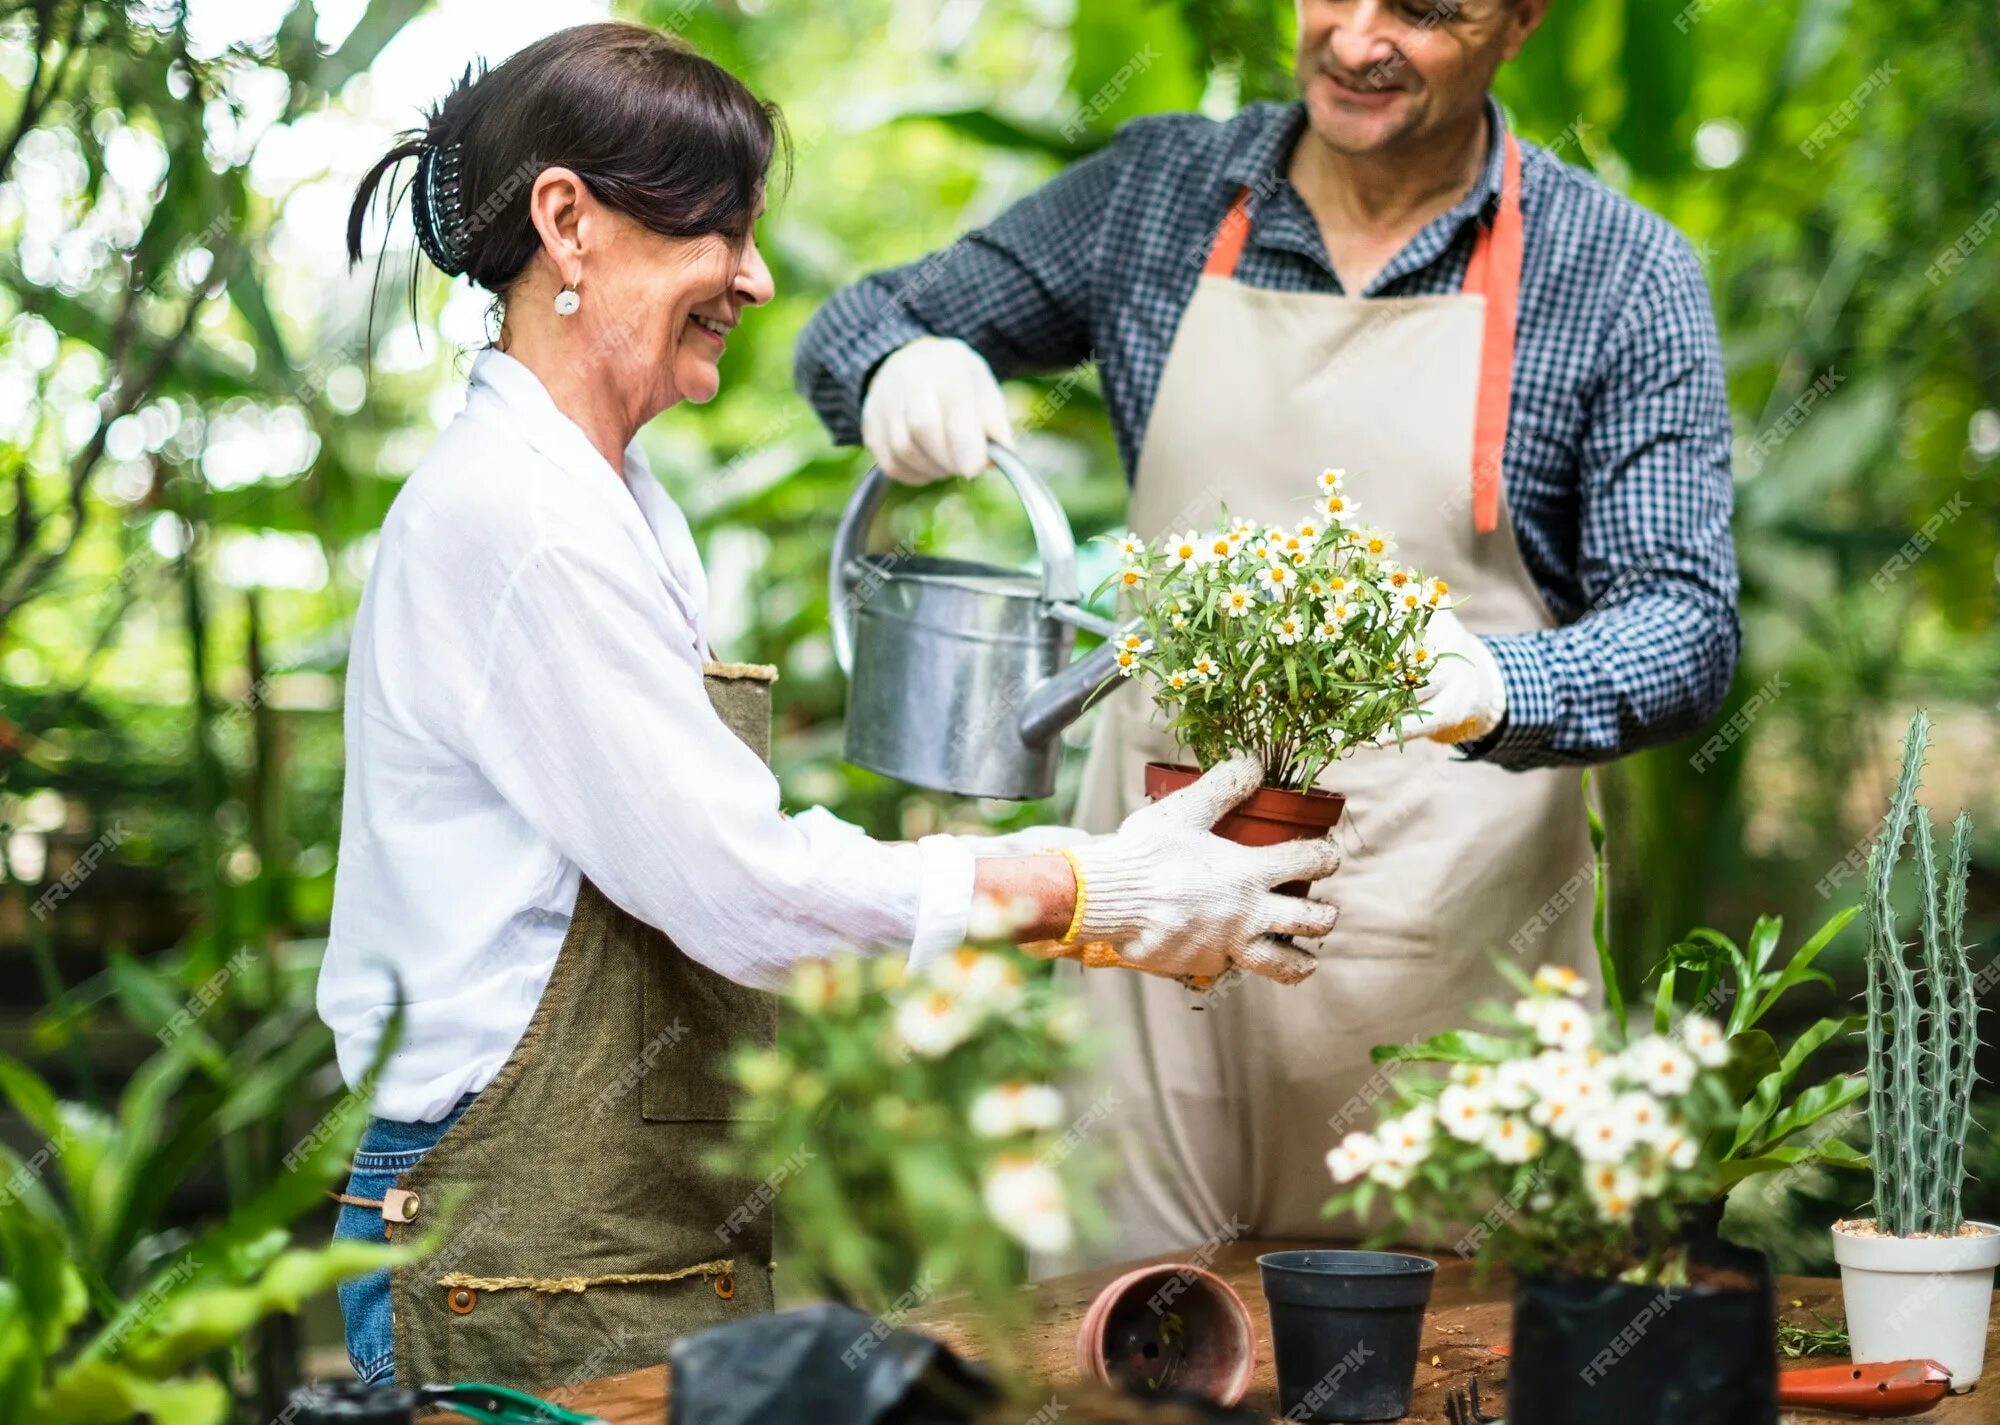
(1463, 1323)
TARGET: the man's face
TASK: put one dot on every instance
(1377, 75)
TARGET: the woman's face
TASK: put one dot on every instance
(663, 309)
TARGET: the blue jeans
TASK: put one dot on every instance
(388, 1149)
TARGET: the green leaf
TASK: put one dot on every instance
(1454, 1046)
(1814, 1104)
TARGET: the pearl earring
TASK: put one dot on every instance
(567, 302)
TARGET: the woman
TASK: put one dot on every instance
(562, 852)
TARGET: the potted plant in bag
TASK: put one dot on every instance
(1917, 1277)
(1591, 1153)
(1297, 644)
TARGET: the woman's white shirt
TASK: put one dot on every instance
(525, 706)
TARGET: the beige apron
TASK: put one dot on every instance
(587, 1229)
(1445, 862)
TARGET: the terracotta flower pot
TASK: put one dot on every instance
(1169, 1327)
(1271, 816)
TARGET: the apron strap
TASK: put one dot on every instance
(1494, 272)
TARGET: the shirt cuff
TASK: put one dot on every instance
(854, 365)
(1527, 733)
(944, 900)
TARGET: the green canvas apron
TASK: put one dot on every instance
(583, 1230)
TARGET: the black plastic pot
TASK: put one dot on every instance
(1589, 1351)
(1345, 1328)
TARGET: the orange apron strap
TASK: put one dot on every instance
(1495, 273)
(1229, 238)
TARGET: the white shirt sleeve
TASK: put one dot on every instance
(591, 718)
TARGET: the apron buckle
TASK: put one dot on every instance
(399, 1205)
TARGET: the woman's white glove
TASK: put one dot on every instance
(931, 407)
(1465, 697)
(1179, 900)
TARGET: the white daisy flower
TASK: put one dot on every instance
(1437, 593)
(1290, 628)
(1309, 529)
(1351, 1157)
(1613, 1190)
(1278, 578)
(1128, 662)
(1394, 578)
(1602, 1138)
(1131, 577)
(1661, 1065)
(1178, 680)
(1184, 551)
(1342, 610)
(1330, 481)
(1327, 630)
(1203, 668)
(1136, 643)
(1559, 980)
(1561, 1024)
(1218, 547)
(1512, 1085)
(1238, 601)
(982, 979)
(1510, 1140)
(1643, 1116)
(1704, 1039)
(933, 1022)
(1335, 506)
(1130, 546)
(1677, 1148)
(1026, 1199)
(1007, 1109)
(1373, 542)
(1465, 1112)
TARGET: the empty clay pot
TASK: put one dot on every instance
(1172, 1327)
(1270, 816)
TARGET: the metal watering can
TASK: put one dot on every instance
(960, 675)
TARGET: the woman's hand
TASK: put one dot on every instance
(1180, 900)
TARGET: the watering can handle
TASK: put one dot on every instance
(1054, 544)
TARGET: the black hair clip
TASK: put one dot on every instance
(437, 210)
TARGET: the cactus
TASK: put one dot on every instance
(1923, 1026)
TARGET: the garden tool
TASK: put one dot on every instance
(1885, 1388)
(960, 675)
(352, 1403)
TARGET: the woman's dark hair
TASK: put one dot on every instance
(665, 136)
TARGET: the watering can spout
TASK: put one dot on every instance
(1058, 701)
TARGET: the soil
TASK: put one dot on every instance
(1865, 1227)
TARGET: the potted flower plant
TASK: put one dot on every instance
(1917, 1277)
(1591, 1154)
(1295, 643)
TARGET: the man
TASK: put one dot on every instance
(1519, 371)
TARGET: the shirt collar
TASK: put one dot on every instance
(528, 407)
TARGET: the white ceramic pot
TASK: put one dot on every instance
(1919, 1298)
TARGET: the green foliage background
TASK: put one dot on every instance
(1837, 165)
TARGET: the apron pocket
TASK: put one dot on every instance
(690, 1019)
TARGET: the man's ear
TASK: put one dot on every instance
(1524, 17)
(555, 206)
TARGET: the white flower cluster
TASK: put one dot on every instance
(1618, 1111)
(959, 995)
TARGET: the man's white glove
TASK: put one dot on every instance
(930, 410)
(1465, 698)
(1179, 900)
